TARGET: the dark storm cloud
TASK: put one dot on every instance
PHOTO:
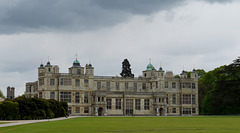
(32, 15)
(76, 15)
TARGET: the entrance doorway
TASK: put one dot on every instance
(129, 106)
(100, 111)
(161, 111)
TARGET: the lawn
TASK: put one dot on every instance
(3, 122)
(217, 124)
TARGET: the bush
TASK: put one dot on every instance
(32, 108)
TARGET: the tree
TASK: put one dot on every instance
(223, 90)
(1, 94)
(126, 70)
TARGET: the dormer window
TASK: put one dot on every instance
(49, 69)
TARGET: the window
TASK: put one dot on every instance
(144, 86)
(186, 85)
(40, 94)
(174, 110)
(166, 84)
(193, 99)
(117, 85)
(77, 97)
(99, 85)
(146, 104)
(109, 103)
(174, 99)
(52, 95)
(118, 103)
(108, 86)
(173, 85)
(86, 110)
(150, 85)
(52, 82)
(70, 110)
(126, 86)
(77, 109)
(193, 86)
(138, 104)
(78, 71)
(186, 110)
(86, 97)
(186, 99)
(135, 86)
(129, 106)
(41, 82)
(193, 110)
(66, 81)
(49, 69)
(77, 82)
(86, 81)
(65, 96)
(156, 84)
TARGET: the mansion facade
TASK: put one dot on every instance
(155, 93)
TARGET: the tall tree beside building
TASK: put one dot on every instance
(126, 70)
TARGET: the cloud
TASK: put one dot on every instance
(19, 16)
(171, 33)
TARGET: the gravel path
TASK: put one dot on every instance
(21, 122)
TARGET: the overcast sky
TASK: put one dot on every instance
(176, 34)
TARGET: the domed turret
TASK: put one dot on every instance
(76, 63)
(160, 69)
(89, 66)
(41, 66)
(48, 64)
(150, 67)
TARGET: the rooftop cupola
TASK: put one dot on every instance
(48, 64)
(76, 63)
(89, 66)
(160, 69)
(150, 66)
(41, 66)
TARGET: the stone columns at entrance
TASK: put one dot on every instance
(105, 110)
(157, 111)
(96, 111)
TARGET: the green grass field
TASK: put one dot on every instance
(218, 124)
(3, 122)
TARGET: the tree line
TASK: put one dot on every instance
(219, 90)
(32, 108)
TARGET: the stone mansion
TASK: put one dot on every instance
(155, 93)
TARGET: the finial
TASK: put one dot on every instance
(149, 60)
(76, 55)
(183, 67)
(48, 58)
(90, 61)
